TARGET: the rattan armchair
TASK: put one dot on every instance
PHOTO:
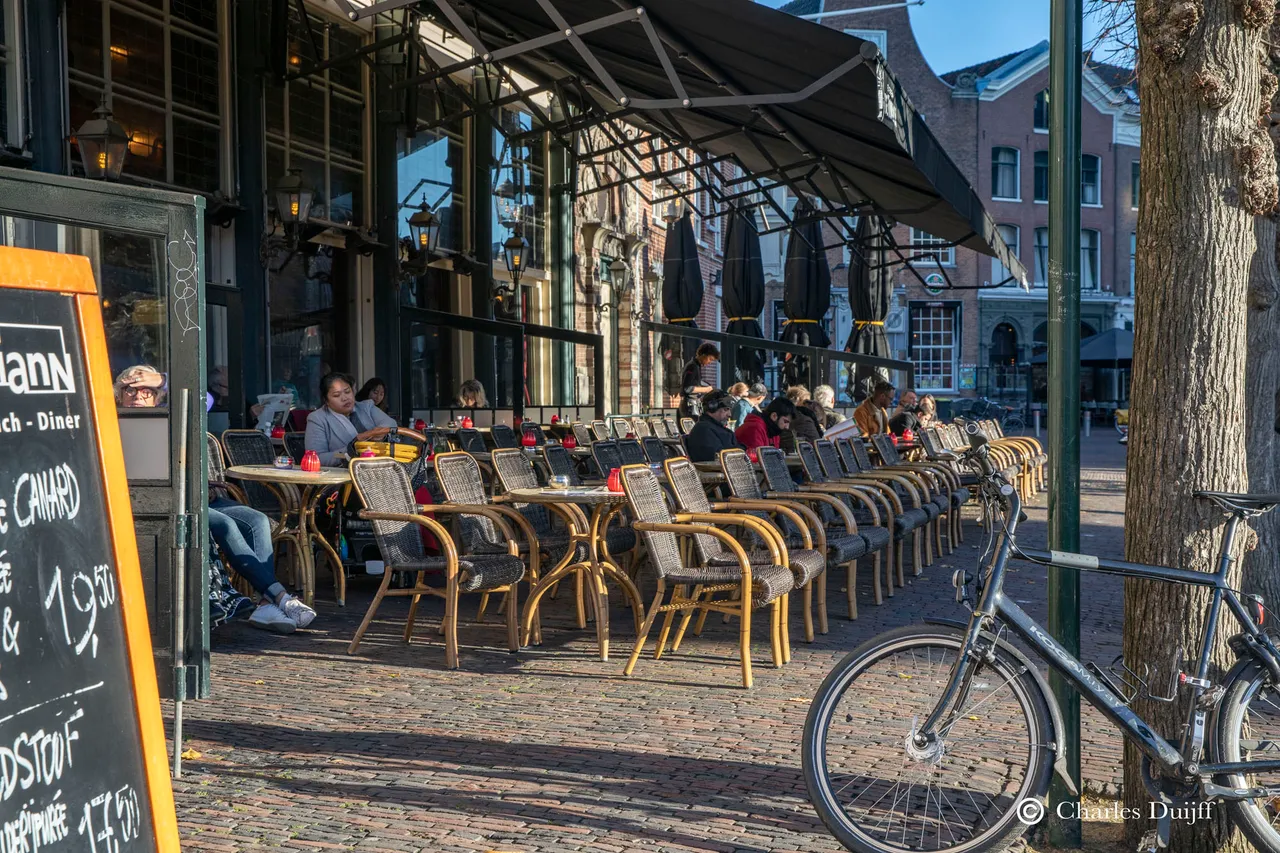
(696, 587)
(383, 486)
(295, 445)
(686, 425)
(582, 435)
(218, 481)
(640, 427)
(503, 436)
(534, 428)
(607, 456)
(632, 452)
(600, 430)
(950, 494)
(654, 449)
(250, 447)
(660, 427)
(471, 441)
(620, 427)
(795, 525)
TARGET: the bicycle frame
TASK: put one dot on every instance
(994, 606)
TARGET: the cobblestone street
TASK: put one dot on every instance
(304, 747)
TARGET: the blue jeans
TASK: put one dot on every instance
(244, 535)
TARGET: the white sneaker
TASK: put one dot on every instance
(300, 613)
(268, 617)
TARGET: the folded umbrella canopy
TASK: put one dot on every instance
(743, 288)
(870, 293)
(807, 292)
(681, 295)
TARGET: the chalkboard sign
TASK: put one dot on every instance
(82, 751)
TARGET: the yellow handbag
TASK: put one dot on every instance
(400, 451)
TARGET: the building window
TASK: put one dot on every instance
(431, 166)
(1042, 110)
(999, 272)
(934, 345)
(1004, 174)
(1091, 180)
(1133, 257)
(1133, 185)
(1042, 257)
(879, 37)
(164, 86)
(1041, 170)
(521, 189)
(1090, 249)
(931, 249)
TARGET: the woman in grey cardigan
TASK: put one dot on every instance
(341, 420)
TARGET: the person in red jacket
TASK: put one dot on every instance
(764, 429)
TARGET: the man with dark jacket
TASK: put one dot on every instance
(710, 435)
(765, 429)
(691, 387)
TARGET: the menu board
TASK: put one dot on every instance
(82, 751)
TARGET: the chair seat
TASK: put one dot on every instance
(767, 582)
(929, 508)
(479, 571)
(909, 520)
(806, 564)
(875, 537)
(841, 548)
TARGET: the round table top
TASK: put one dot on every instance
(576, 495)
(292, 476)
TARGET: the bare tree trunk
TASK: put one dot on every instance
(1208, 169)
(1262, 389)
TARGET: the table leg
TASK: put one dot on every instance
(312, 532)
(598, 513)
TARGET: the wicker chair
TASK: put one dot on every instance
(673, 430)
(218, 471)
(660, 428)
(632, 452)
(471, 441)
(686, 425)
(295, 444)
(607, 456)
(539, 436)
(950, 494)
(835, 531)
(384, 488)
(794, 525)
(619, 427)
(640, 427)
(250, 447)
(654, 449)
(582, 435)
(560, 463)
(600, 430)
(503, 436)
(695, 587)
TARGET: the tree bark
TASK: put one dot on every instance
(1208, 170)
(1262, 390)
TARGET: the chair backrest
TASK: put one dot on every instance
(640, 427)
(686, 486)
(607, 456)
(845, 448)
(810, 462)
(654, 449)
(217, 465)
(884, 446)
(600, 430)
(295, 444)
(583, 435)
(620, 426)
(250, 447)
(648, 504)
(560, 461)
(741, 474)
(471, 441)
(297, 420)
(660, 428)
(932, 442)
(673, 430)
(777, 474)
(829, 459)
(503, 436)
(383, 486)
(539, 436)
(631, 451)
(515, 471)
(686, 425)
(860, 455)
(462, 483)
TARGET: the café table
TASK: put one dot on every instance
(597, 568)
(300, 492)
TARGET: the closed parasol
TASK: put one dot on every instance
(870, 292)
(681, 295)
(807, 291)
(743, 281)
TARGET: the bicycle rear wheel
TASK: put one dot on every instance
(1013, 426)
(1249, 730)
(878, 795)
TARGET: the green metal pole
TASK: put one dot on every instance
(1065, 44)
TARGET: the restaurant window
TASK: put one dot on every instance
(1041, 175)
(431, 165)
(1133, 258)
(1041, 116)
(1042, 257)
(1090, 258)
(1091, 180)
(934, 342)
(134, 317)
(1004, 173)
(930, 249)
(1134, 184)
(164, 85)
(1010, 234)
(520, 184)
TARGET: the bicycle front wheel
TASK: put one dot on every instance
(1248, 729)
(877, 793)
(1013, 426)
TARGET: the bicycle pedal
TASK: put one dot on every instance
(1150, 842)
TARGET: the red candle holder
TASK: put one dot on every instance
(420, 425)
(615, 480)
(277, 432)
(310, 462)
(569, 442)
(529, 440)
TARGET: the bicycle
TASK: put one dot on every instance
(944, 736)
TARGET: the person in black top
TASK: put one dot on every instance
(710, 434)
(691, 387)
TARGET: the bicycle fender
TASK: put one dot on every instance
(1055, 713)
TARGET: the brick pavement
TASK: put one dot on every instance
(305, 748)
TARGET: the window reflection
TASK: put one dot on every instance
(306, 335)
(134, 315)
(520, 184)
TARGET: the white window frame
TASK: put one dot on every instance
(998, 270)
(1098, 184)
(945, 257)
(1040, 273)
(926, 368)
(1017, 173)
(1096, 285)
(880, 38)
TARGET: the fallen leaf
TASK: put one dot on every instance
(259, 681)
(797, 699)
(190, 754)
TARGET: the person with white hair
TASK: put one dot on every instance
(826, 397)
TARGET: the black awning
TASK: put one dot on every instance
(852, 135)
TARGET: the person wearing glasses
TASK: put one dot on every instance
(141, 387)
(711, 433)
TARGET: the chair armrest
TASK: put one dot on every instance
(709, 530)
(790, 512)
(490, 512)
(435, 527)
(772, 538)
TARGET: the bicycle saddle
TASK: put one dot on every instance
(1241, 501)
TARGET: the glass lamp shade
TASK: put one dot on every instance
(293, 198)
(620, 275)
(424, 226)
(516, 253)
(103, 145)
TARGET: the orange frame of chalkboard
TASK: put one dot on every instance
(27, 269)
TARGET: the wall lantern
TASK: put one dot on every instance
(103, 144)
(424, 227)
(516, 254)
(293, 199)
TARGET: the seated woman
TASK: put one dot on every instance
(341, 420)
(244, 536)
(471, 396)
(375, 390)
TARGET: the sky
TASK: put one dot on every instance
(955, 33)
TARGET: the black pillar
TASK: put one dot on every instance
(561, 172)
(387, 346)
(482, 162)
(249, 50)
(44, 64)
